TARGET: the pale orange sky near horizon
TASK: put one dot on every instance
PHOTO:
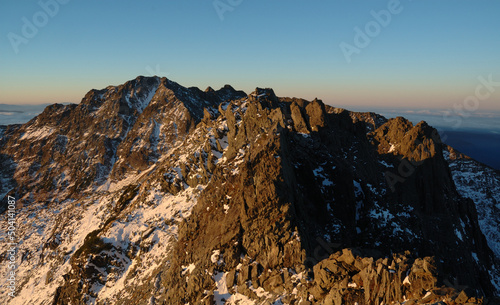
(341, 95)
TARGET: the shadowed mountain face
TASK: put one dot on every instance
(482, 146)
(155, 193)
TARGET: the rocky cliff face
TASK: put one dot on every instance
(481, 184)
(153, 193)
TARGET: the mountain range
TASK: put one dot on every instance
(153, 193)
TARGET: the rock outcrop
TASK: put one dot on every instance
(174, 195)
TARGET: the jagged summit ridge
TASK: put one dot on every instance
(151, 192)
(126, 126)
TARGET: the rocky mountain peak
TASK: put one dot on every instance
(263, 93)
(154, 193)
(416, 143)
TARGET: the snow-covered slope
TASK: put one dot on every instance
(135, 221)
(480, 183)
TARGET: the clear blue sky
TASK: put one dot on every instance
(429, 55)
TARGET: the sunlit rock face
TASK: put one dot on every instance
(153, 193)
